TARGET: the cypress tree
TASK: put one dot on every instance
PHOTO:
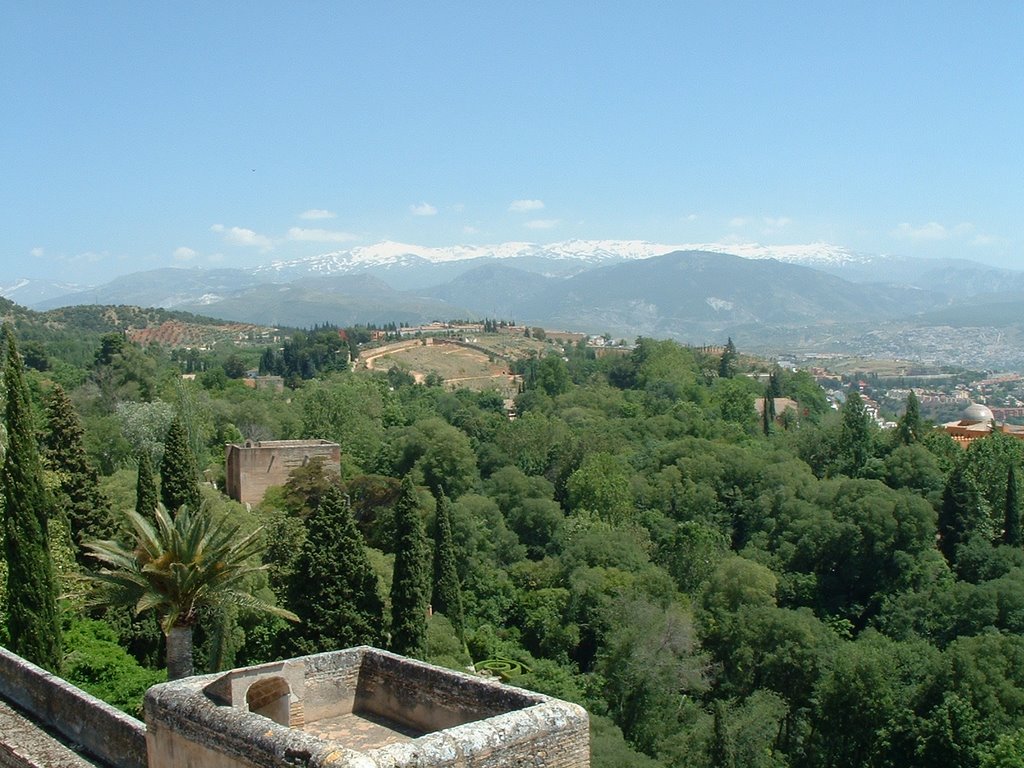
(447, 592)
(768, 412)
(962, 512)
(855, 434)
(146, 495)
(727, 364)
(410, 585)
(721, 748)
(178, 474)
(32, 621)
(1012, 534)
(333, 590)
(87, 509)
(909, 427)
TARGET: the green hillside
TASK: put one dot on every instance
(716, 588)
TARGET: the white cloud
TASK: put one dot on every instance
(737, 221)
(523, 206)
(89, 257)
(423, 209)
(37, 252)
(931, 231)
(184, 253)
(777, 222)
(317, 213)
(469, 230)
(542, 223)
(320, 235)
(243, 236)
(691, 217)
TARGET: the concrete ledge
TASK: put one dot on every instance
(101, 730)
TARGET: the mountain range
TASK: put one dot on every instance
(816, 296)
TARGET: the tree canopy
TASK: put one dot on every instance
(820, 592)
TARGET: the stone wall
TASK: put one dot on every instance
(465, 720)
(82, 719)
(23, 744)
(251, 468)
(428, 698)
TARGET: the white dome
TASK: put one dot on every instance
(978, 412)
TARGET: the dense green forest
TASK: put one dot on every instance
(717, 588)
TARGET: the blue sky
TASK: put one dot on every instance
(138, 135)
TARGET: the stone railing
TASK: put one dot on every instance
(98, 728)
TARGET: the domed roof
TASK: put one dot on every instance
(977, 412)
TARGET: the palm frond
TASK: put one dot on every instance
(181, 563)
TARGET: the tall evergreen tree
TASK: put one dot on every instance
(727, 364)
(962, 513)
(855, 435)
(1012, 534)
(768, 411)
(334, 589)
(722, 752)
(447, 592)
(909, 427)
(78, 494)
(410, 585)
(33, 627)
(146, 494)
(179, 484)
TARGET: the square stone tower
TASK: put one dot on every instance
(250, 468)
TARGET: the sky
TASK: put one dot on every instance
(220, 134)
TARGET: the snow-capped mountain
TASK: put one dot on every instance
(817, 255)
(27, 291)
(584, 253)
(406, 266)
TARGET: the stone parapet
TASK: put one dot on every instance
(79, 718)
(447, 719)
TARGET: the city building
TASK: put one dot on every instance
(978, 421)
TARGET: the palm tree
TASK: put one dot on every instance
(176, 567)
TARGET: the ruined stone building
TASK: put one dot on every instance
(252, 467)
(356, 708)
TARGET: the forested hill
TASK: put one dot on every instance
(73, 333)
(717, 588)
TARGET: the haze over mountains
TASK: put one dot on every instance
(813, 297)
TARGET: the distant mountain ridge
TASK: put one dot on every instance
(814, 296)
(682, 294)
(582, 253)
(407, 267)
(695, 295)
(401, 265)
(28, 291)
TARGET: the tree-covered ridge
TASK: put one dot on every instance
(814, 593)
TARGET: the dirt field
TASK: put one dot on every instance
(459, 366)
